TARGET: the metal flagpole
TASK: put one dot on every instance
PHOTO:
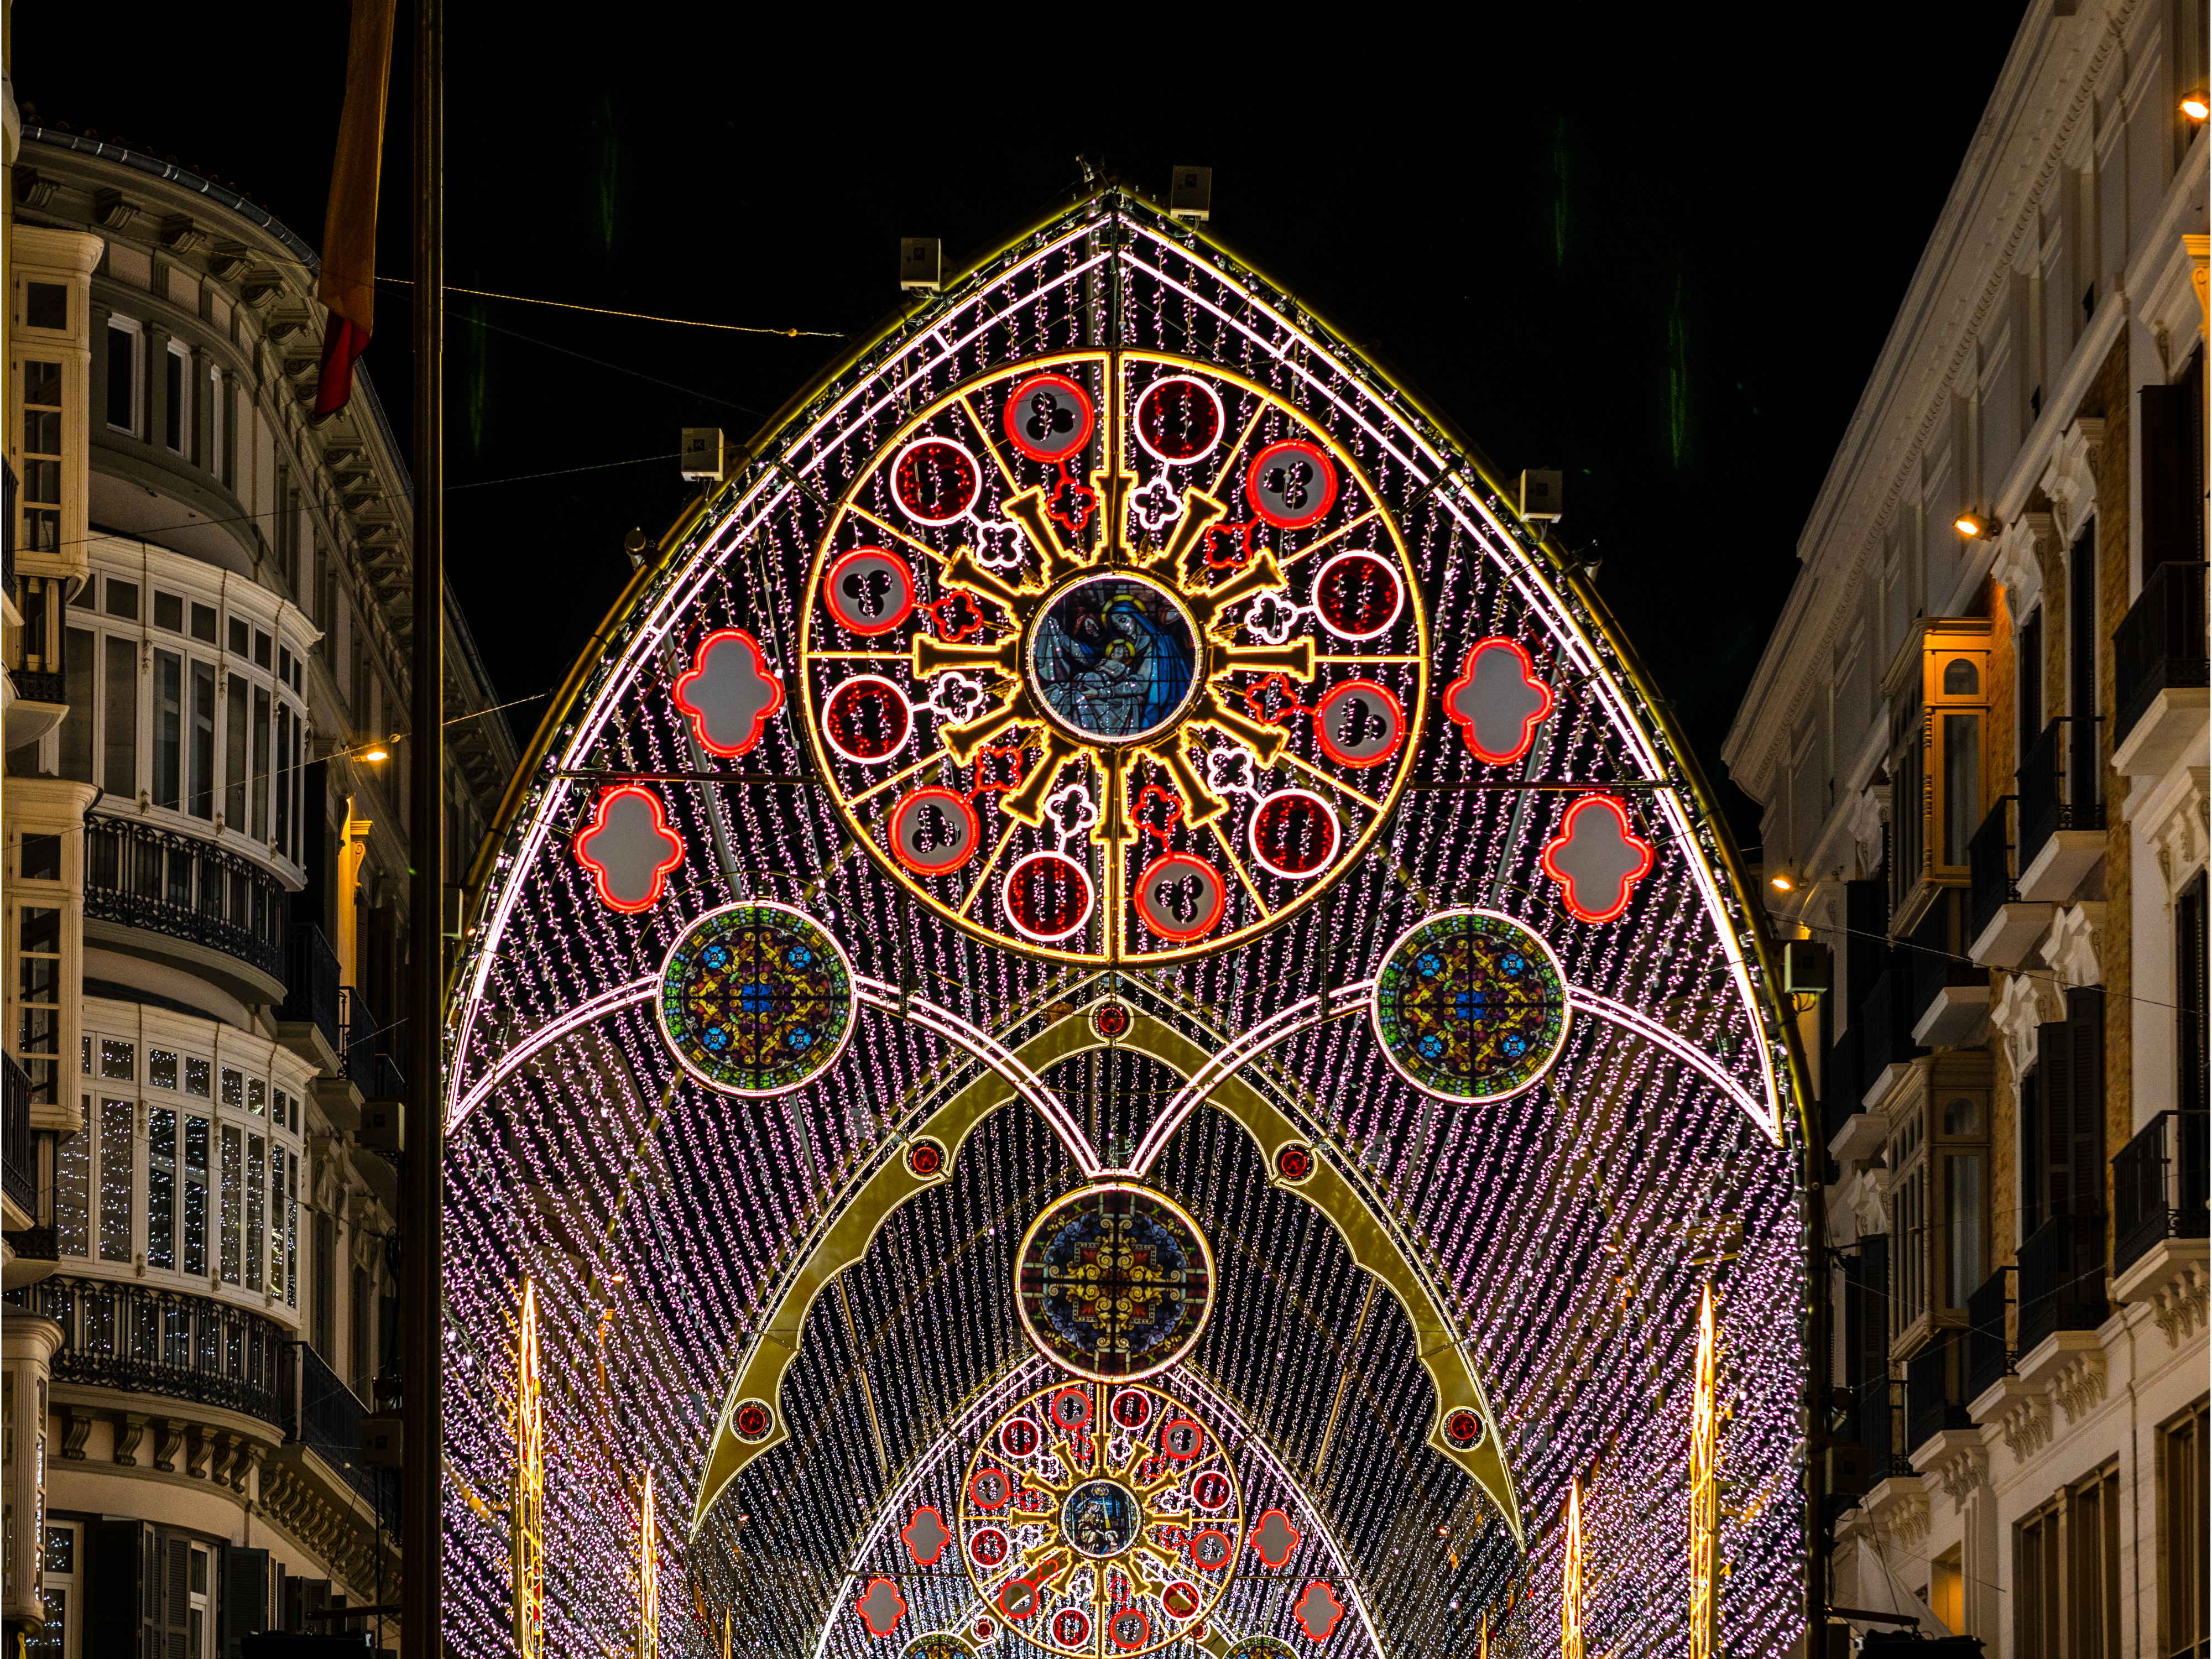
(422, 1225)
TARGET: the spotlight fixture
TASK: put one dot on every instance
(1969, 525)
(2196, 105)
(1780, 882)
(376, 754)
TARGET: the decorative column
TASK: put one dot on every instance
(27, 1346)
(527, 1509)
(1704, 1494)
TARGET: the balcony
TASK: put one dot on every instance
(371, 1049)
(2159, 671)
(1950, 996)
(2002, 928)
(1884, 1023)
(2159, 1187)
(2061, 1278)
(324, 1415)
(142, 1341)
(1840, 1086)
(311, 1020)
(2062, 810)
(1989, 1354)
(1875, 1402)
(18, 1154)
(1935, 1392)
(225, 914)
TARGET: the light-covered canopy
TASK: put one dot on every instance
(1138, 741)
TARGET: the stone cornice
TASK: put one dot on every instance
(1885, 433)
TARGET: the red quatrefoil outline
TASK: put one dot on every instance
(669, 838)
(1529, 677)
(1305, 1613)
(1571, 827)
(906, 1535)
(868, 1596)
(698, 716)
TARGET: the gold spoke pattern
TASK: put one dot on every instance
(984, 580)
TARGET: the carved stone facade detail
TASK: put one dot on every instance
(2078, 1385)
(2070, 480)
(2025, 1422)
(2070, 947)
(2178, 1305)
(77, 1425)
(130, 1429)
(2181, 834)
(1961, 1473)
(2019, 564)
(1864, 822)
(1904, 1519)
(2024, 1002)
(331, 1533)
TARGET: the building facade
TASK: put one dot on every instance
(1979, 736)
(208, 612)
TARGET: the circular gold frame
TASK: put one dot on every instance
(1115, 934)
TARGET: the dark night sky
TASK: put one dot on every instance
(1657, 247)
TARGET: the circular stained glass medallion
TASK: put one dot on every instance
(1114, 1281)
(939, 1645)
(1470, 1006)
(1113, 658)
(756, 999)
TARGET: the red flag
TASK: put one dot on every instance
(348, 284)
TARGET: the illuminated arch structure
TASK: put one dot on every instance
(1107, 730)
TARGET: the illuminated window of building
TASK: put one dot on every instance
(60, 1636)
(1939, 1195)
(1938, 691)
(38, 997)
(2184, 1554)
(42, 457)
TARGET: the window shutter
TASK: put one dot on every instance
(2085, 1022)
(245, 1593)
(117, 1598)
(174, 1598)
(2054, 1073)
(1873, 1364)
(2164, 469)
(2189, 977)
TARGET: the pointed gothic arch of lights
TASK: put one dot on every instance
(1107, 1022)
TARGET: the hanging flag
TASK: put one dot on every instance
(348, 285)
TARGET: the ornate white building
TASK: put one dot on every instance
(206, 645)
(1979, 735)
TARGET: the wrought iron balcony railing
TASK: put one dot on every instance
(2160, 643)
(1935, 1388)
(2158, 1186)
(1885, 1022)
(313, 995)
(1989, 1353)
(324, 1415)
(2062, 1278)
(19, 1154)
(34, 686)
(1876, 1403)
(144, 1340)
(371, 1062)
(2058, 783)
(1988, 856)
(186, 888)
